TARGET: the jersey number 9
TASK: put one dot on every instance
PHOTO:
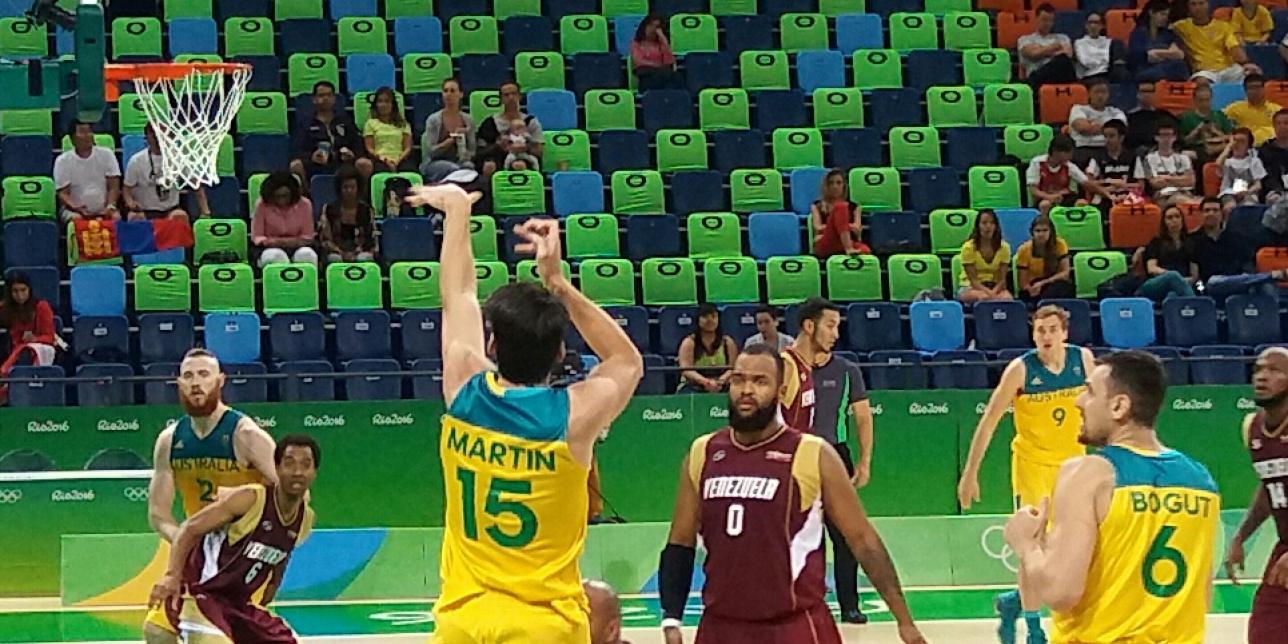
(495, 507)
(1058, 415)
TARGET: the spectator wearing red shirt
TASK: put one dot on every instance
(30, 322)
(838, 222)
(652, 58)
(282, 226)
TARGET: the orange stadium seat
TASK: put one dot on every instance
(1120, 23)
(1222, 13)
(1275, 4)
(1193, 216)
(1173, 96)
(1277, 91)
(1011, 25)
(1132, 226)
(1211, 179)
(1272, 259)
(1055, 101)
(1014, 6)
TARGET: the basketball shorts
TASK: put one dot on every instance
(475, 621)
(204, 619)
(1032, 482)
(813, 626)
(1269, 619)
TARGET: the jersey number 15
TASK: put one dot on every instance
(495, 506)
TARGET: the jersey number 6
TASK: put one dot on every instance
(1159, 551)
(495, 507)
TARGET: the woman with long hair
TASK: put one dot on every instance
(1169, 260)
(651, 57)
(837, 221)
(346, 228)
(387, 134)
(1043, 262)
(450, 140)
(986, 259)
(1153, 51)
(30, 322)
(282, 227)
(706, 354)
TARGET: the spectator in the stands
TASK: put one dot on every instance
(328, 140)
(387, 134)
(144, 196)
(1043, 263)
(1097, 56)
(493, 136)
(837, 221)
(88, 177)
(767, 319)
(1254, 112)
(1143, 119)
(1225, 258)
(1047, 57)
(651, 57)
(986, 262)
(706, 354)
(1114, 168)
(1203, 130)
(1169, 260)
(449, 142)
(1168, 173)
(346, 229)
(1274, 158)
(1215, 53)
(1241, 172)
(282, 226)
(1086, 121)
(1055, 180)
(520, 157)
(1252, 22)
(30, 323)
(1153, 52)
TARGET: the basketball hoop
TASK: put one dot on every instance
(190, 106)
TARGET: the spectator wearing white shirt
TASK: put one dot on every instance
(1054, 180)
(88, 178)
(1241, 172)
(1086, 122)
(1167, 172)
(145, 197)
(767, 325)
(1097, 56)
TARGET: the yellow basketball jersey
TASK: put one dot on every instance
(517, 501)
(1150, 574)
(203, 465)
(1046, 420)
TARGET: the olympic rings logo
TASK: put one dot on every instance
(997, 548)
(135, 494)
(10, 496)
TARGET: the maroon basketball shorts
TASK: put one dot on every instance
(1268, 623)
(206, 618)
(812, 626)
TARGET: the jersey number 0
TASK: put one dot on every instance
(495, 506)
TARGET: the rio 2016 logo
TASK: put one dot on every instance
(993, 542)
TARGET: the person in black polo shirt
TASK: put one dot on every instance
(331, 139)
(1226, 263)
(1114, 167)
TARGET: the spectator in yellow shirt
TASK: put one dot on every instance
(1254, 112)
(986, 262)
(1252, 23)
(1214, 51)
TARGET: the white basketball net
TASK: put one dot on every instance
(190, 116)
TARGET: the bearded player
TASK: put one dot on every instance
(246, 538)
(210, 447)
(757, 492)
(1267, 442)
(1128, 553)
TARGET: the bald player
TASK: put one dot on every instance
(605, 613)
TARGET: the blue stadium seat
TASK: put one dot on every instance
(874, 326)
(422, 105)
(738, 321)
(749, 33)
(1280, 17)
(1267, 58)
(1189, 321)
(926, 68)
(557, 9)
(933, 188)
(27, 155)
(884, 8)
(417, 35)
(297, 336)
(1081, 330)
(107, 390)
(482, 71)
(527, 33)
(777, 8)
(1246, 221)
(131, 144)
(854, 147)
(652, 236)
(1001, 325)
(937, 326)
(304, 36)
(705, 69)
(97, 290)
(733, 149)
(624, 28)
(774, 234)
(448, 10)
(577, 193)
(555, 108)
(161, 392)
(408, 239)
(372, 387)
(666, 109)
(37, 394)
(966, 147)
(164, 337)
(654, 381)
(674, 322)
(233, 337)
(858, 31)
(225, 199)
(192, 36)
(362, 334)
(302, 388)
(573, 340)
(596, 70)
(421, 335)
(780, 108)
(634, 321)
(264, 152)
(337, 9)
(1178, 371)
(893, 232)
(44, 283)
(698, 191)
(1253, 319)
(240, 389)
(1103, 6)
(427, 387)
(819, 69)
(321, 192)
(1127, 322)
(368, 72)
(959, 370)
(1015, 225)
(266, 73)
(1218, 365)
(806, 188)
(30, 243)
(672, 7)
(889, 108)
(254, 8)
(1070, 23)
(106, 336)
(896, 370)
(623, 150)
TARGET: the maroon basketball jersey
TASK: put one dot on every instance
(237, 563)
(762, 524)
(798, 413)
(1270, 459)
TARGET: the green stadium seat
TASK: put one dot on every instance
(692, 32)
(131, 119)
(290, 288)
(910, 274)
(362, 106)
(714, 234)
(952, 107)
(362, 36)
(484, 103)
(35, 122)
(1080, 227)
(252, 189)
(669, 281)
(1008, 105)
(262, 113)
(638, 192)
(994, 187)
(211, 235)
(296, 9)
(162, 287)
(803, 32)
(1027, 141)
(582, 34)
(225, 287)
(408, 9)
(755, 190)
(414, 285)
(798, 148)
(526, 271)
(789, 280)
(834, 8)
(1093, 268)
(915, 147)
(354, 285)
(377, 188)
(981, 67)
(731, 280)
(877, 189)
(593, 235)
(733, 7)
(608, 282)
(609, 109)
(947, 7)
(910, 31)
(967, 29)
(503, 9)
(424, 73)
(483, 238)
(539, 70)
(724, 109)
(614, 8)
(950, 228)
(764, 70)
(247, 36)
(853, 278)
(29, 197)
(188, 9)
(136, 37)
(305, 70)
(518, 193)
(566, 146)
(473, 35)
(19, 38)
(225, 164)
(838, 108)
(877, 69)
(491, 276)
(681, 150)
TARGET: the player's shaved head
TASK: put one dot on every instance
(605, 612)
(1270, 377)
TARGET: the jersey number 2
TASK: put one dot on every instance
(1159, 551)
(207, 490)
(495, 507)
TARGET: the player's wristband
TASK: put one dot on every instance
(675, 578)
(670, 622)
